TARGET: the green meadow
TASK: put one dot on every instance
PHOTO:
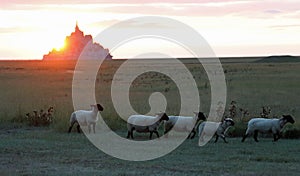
(34, 85)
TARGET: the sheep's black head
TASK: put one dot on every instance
(288, 118)
(201, 116)
(100, 108)
(229, 121)
(163, 116)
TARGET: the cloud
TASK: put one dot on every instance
(104, 23)
(111, 1)
(272, 11)
(130, 25)
(203, 8)
(285, 26)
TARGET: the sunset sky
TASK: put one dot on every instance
(29, 29)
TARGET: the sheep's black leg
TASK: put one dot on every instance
(278, 136)
(78, 128)
(71, 127)
(151, 132)
(244, 137)
(194, 133)
(275, 137)
(89, 127)
(167, 130)
(131, 133)
(94, 128)
(255, 135)
(190, 135)
(217, 137)
(156, 134)
(128, 134)
(223, 137)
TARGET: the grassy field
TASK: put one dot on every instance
(40, 151)
(27, 86)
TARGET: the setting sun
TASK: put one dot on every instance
(60, 47)
(232, 28)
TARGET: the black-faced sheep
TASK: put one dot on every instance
(263, 125)
(145, 124)
(184, 123)
(221, 129)
(85, 118)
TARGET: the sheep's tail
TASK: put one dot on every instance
(73, 118)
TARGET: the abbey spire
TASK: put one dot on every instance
(76, 27)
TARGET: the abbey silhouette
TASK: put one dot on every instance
(74, 45)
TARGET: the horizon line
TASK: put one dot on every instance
(224, 57)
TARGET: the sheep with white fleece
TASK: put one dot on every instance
(263, 125)
(222, 128)
(145, 124)
(85, 118)
(184, 123)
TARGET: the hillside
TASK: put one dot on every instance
(279, 59)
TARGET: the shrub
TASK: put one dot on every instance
(291, 132)
(42, 118)
(238, 130)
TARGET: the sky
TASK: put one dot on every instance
(30, 29)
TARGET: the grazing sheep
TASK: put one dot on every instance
(184, 123)
(85, 118)
(221, 129)
(145, 124)
(263, 125)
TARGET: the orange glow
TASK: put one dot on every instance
(60, 47)
(232, 28)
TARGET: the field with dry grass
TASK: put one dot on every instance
(34, 85)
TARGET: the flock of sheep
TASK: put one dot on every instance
(150, 124)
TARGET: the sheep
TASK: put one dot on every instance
(85, 118)
(184, 123)
(222, 128)
(263, 125)
(145, 124)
